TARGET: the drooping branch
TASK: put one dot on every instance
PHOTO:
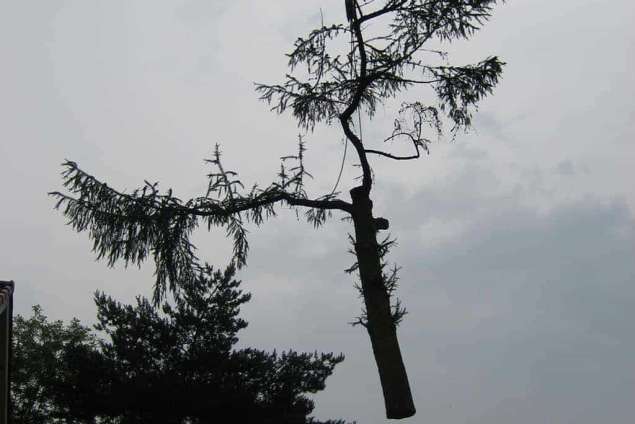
(146, 223)
(460, 88)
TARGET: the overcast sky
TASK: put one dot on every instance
(517, 241)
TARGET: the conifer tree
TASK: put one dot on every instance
(172, 363)
(325, 86)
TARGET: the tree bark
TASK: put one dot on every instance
(381, 328)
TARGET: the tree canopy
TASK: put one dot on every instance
(37, 352)
(172, 363)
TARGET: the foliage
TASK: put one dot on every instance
(380, 67)
(132, 227)
(168, 364)
(145, 223)
(39, 348)
(389, 53)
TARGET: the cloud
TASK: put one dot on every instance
(516, 241)
(513, 309)
(519, 312)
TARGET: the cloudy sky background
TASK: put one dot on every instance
(517, 241)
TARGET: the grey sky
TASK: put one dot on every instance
(517, 241)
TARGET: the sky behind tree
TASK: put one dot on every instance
(517, 241)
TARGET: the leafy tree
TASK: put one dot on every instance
(39, 347)
(170, 364)
(328, 86)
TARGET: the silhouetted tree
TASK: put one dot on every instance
(39, 348)
(325, 85)
(169, 364)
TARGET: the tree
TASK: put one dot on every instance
(169, 364)
(38, 351)
(324, 86)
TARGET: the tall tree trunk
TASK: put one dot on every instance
(380, 325)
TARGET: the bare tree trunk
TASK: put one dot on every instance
(380, 325)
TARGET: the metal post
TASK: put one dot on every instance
(6, 324)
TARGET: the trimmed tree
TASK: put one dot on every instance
(329, 86)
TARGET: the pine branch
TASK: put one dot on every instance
(132, 227)
(380, 67)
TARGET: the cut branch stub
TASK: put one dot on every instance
(381, 223)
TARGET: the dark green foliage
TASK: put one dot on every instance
(39, 347)
(172, 364)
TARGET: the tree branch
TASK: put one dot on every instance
(388, 155)
(392, 6)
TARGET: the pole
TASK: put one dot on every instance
(6, 324)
